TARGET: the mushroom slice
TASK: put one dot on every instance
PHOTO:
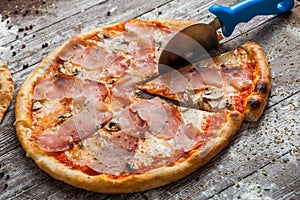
(213, 93)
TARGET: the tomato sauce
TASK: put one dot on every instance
(61, 157)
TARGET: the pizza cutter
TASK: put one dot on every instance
(192, 43)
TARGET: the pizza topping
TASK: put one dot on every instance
(124, 141)
(142, 34)
(69, 69)
(112, 126)
(153, 152)
(122, 91)
(211, 76)
(88, 56)
(107, 152)
(51, 142)
(213, 93)
(118, 66)
(224, 103)
(131, 123)
(188, 136)
(62, 86)
(36, 105)
(159, 116)
(109, 159)
(93, 89)
(68, 87)
(78, 127)
(177, 82)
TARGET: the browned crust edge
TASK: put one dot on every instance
(103, 183)
(258, 99)
(6, 89)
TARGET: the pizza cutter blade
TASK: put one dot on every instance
(193, 43)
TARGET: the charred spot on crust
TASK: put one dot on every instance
(254, 103)
(234, 114)
(261, 87)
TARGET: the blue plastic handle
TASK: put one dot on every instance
(245, 10)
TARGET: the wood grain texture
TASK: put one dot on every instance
(261, 161)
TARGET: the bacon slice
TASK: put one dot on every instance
(159, 116)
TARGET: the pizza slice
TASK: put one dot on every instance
(6, 89)
(236, 80)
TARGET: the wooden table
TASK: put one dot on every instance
(262, 160)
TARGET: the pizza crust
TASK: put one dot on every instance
(133, 182)
(6, 89)
(257, 100)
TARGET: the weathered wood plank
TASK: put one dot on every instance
(280, 179)
(61, 29)
(258, 147)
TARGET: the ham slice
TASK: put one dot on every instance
(122, 91)
(159, 116)
(58, 88)
(118, 66)
(68, 87)
(144, 66)
(187, 137)
(211, 76)
(144, 52)
(89, 109)
(177, 82)
(110, 159)
(131, 123)
(93, 89)
(124, 141)
(196, 81)
(237, 78)
(90, 57)
(52, 142)
(78, 127)
(142, 33)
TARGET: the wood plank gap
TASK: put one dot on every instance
(149, 11)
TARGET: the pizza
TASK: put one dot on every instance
(6, 89)
(88, 116)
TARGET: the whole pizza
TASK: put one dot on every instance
(88, 116)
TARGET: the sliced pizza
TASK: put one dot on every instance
(78, 115)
